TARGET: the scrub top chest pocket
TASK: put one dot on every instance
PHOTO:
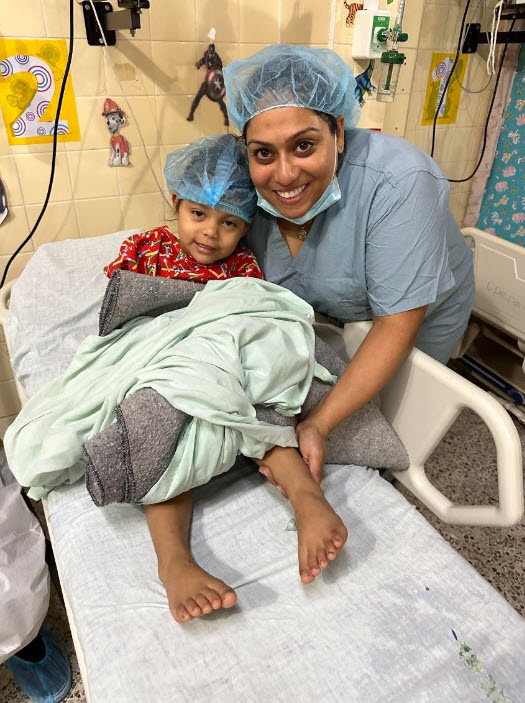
(344, 298)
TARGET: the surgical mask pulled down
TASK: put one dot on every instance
(330, 196)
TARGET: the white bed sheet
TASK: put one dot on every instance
(378, 625)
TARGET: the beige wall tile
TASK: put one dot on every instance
(56, 18)
(172, 114)
(465, 144)
(99, 216)
(433, 27)
(343, 34)
(134, 66)
(246, 50)
(372, 114)
(396, 115)
(87, 69)
(143, 211)
(415, 110)
(137, 177)
(305, 21)
(404, 85)
(221, 14)
(13, 230)
(259, 22)
(22, 19)
(175, 72)
(93, 128)
(34, 171)
(412, 22)
(10, 179)
(6, 372)
(9, 402)
(59, 223)
(91, 177)
(421, 70)
(16, 267)
(4, 424)
(145, 113)
(173, 21)
(451, 34)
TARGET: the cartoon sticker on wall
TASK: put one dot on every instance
(440, 68)
(119, 146)
(31, 75)
(213, 83)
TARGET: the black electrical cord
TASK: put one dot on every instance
(449, 78)
(55, 137)
(463, 180)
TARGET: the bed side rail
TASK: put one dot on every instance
(421, 401)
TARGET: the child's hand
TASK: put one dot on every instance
(266, 472)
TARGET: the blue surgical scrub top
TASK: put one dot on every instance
(390, 244)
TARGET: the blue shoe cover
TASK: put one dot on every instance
(46, 681)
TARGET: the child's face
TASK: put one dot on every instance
(206, 234)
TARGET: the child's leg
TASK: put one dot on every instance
(191, 591)
(321, 532)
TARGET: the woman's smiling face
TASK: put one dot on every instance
(292, 156)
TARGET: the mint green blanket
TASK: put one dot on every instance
(239, 343)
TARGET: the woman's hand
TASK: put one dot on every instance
(312, 445)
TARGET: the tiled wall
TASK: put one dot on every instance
(457, 146)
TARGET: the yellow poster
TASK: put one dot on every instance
(440, 68)
(32, 71)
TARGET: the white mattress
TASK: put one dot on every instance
(378, 625)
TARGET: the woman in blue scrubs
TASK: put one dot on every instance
(354, 222)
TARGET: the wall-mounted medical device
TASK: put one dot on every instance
(126, 18)
(375, 38)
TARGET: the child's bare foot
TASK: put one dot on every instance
(193, 592)
(321, 533)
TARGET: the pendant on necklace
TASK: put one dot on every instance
(303, 233)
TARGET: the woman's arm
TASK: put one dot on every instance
(386, 345)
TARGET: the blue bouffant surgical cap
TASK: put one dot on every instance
(213, 171)
(286, 75)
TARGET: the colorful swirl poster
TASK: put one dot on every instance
(31, 75)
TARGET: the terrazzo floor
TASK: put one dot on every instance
(463, 468)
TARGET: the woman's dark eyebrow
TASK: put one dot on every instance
(290, 139)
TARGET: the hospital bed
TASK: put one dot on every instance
(400, 616)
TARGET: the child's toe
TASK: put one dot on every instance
(313, 565)
(228, 597)
(181, 614)
(192, 608)
(213, 597)
(322, 558)
(203, 603)
(307, 577)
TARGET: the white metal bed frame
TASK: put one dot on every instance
(421, 402)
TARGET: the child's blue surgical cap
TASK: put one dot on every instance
(286, 75)
(213, 171)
